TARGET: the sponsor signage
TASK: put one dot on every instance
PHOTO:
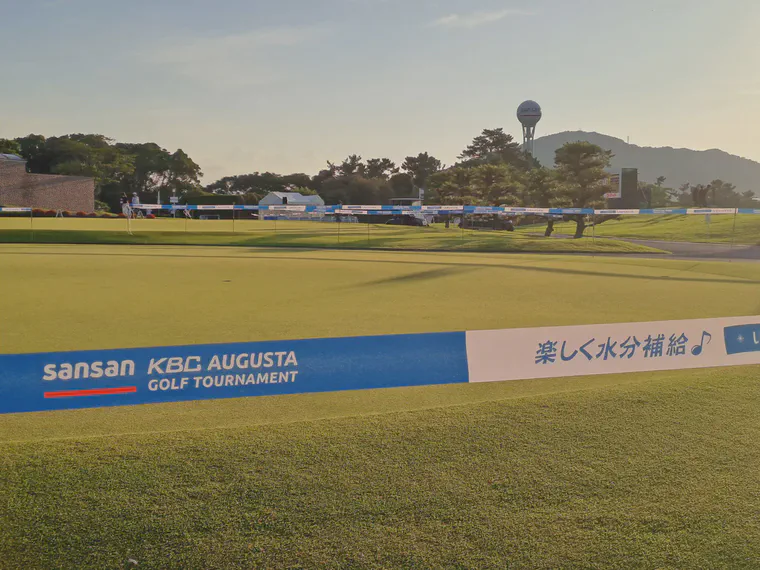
(85, 379)
(516, 354)
(66, 380)
(390, 209)
(614, 181)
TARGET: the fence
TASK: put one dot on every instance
(434, 227)
(57, 381)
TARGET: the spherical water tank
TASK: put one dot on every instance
(529, 113)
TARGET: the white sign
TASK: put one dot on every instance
(174, 200)
(700, 211)
(518, 354)
(618, 212)
(615, 181)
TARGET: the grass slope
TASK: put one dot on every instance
(293, 234)
(643, 470)
(721, 229)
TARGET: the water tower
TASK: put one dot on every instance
(529, 113)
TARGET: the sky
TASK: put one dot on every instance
(285, 85)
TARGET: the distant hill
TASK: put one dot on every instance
(678, 165)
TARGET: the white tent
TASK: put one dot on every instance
(290, 199)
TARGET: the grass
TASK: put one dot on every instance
(293, 234)
(204, 295)
(721, 228)
(657, 472)
(640, 470)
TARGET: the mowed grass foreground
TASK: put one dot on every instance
(270, 233)
(646, 470)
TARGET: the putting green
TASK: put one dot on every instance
(85, 297)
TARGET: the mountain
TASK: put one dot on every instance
(677, 165)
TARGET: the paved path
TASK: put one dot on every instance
(690, 250)
(707, 251)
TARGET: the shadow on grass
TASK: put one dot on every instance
(428, 275)
(420, 240)
(256, 253)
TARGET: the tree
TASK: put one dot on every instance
(151, 167)
(86, 155)
(723, 194)
(486, 184)
(256, 185)
(495, 185)
(699, 194)
(184, 174)
(541, 190)
(303, 190)
(655, 195)
(454, 185)
(402, 185)
(493, 145)
(10, 146)
(683, 195)
(32, 149)
(581, 167)
(356, 189)
(748, 200)
(380, 168)
(352, 165)
(298, 179)
(421, 168)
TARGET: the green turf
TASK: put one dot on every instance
(292, 234)
(204, 295)
(639, 470)
(745, 229)
(660, 472)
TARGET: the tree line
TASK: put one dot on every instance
(717, 194)
(117, 167)
(491, 170)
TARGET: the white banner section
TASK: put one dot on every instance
(518, 354)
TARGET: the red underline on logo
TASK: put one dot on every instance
(95, 392)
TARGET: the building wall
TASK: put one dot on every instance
(50, 192)
(12, 173)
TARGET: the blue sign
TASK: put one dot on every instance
(742, 339)
(68, 380)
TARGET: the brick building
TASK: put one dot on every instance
(47, 191)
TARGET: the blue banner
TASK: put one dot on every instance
(119, 377)
(475, 210)
(68, 380)
(742, 339)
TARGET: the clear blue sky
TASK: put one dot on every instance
(284, 85)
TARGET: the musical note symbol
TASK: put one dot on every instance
(697, 350)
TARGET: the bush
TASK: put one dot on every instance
(81, 214)
(121, 216)
(151, 216)
(102, 206)
(38, 212)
